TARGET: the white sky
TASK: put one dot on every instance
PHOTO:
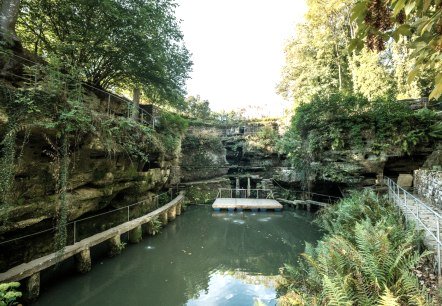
(238, 49)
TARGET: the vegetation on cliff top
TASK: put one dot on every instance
(114, 44)
(345, 97)
(110, 44)
(353, 123)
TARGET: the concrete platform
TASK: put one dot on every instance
(239, 204)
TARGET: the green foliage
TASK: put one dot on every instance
(172, 123)
(62, 219)
(198, 108)
(317, 60)
(320, 62)
(202, 143)
(347, 122)
(170, 128)
(116, 43)
(366, 257)
(125, 134)
(9, 293)
(264, 139)
(155, 226)
(370, 75)
(419, 21)
(7, 161)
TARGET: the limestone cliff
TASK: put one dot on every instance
(101, 177)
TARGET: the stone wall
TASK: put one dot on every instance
(428, 184)
(204, 192)
(203, 156)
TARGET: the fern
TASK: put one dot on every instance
(388, 299)
(367, 257)
(334, 292)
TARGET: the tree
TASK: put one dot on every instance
(419, 21)
(371, 77)
(317, 59)
(198, 108)
(8, 19)
(117, 43)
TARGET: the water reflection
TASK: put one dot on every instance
(200, 259)
(237, 288)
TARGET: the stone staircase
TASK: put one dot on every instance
(427, 218)
(424, 218)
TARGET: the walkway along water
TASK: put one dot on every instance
(81, 250)
(425, 217)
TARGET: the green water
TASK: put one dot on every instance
(201, 258)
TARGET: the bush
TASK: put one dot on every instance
(366, 258)
(9, 293)
(343, 122)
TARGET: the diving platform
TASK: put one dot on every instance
(246, 199)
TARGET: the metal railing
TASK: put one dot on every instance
(245, 193)
(289, 194)
(111, 219)
(417, 209)
(37, 72)
(306, 195)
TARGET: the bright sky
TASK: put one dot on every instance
(238, 49)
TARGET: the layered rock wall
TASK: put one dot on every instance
(428, 184)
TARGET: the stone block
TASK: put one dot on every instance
(136, 235)
(115, 246)
(32, 287)
(405, 180)
(83, 261)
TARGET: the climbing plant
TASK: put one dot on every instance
(341, 122)
(55, 105)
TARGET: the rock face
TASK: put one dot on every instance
(98, 181)
(428, 184)
(358, 168)
(205, 192)
(405, 180)
(203, 156)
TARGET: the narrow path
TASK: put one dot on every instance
(424, 215)
(166, 212)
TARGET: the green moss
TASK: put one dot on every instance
(205, 192)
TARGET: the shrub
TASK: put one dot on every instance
(9, 293)
(341, 122)
(366, 258)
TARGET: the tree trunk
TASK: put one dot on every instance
(8, 19)
(136, 102)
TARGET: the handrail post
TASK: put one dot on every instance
(438, 248)
(128, 217)
(75, 231)
(108, 103)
